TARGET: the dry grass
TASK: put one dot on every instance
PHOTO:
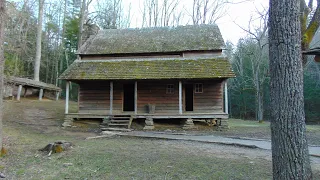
(30, 125)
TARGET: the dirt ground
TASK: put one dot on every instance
(30, 125)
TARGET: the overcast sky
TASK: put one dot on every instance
(240, 13)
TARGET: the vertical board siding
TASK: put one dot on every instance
(94, 97)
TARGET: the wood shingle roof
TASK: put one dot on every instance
(218, 67)
(154, 40)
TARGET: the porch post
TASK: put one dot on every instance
(67, 97)
(40, 94)
(57, 95)
(180, 97)
(19, 92)
(111, 97)
(135, 97)
(226, 107)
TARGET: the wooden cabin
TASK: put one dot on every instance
(315, 52)
(152, 73)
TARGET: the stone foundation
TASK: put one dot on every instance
(223, 124)
(68, 121)
(105, 122)
(149, 124)
(188, 124)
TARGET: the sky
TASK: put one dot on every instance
(237, 14)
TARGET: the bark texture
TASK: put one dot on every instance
(290, 153)
(2, 26)
(82, 18)
(39, 37)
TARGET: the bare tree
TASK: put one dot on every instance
(290, 155)
(258, 57)
(207, 11)
(109, 15)
(2, 26)
(168, 11)
(82, 19)
(39, 37)
(160, 13)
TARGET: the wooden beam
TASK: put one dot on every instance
(226, 105)
(180, 97)
(135, 97)
(111, 97)
(40, 94)
(19, 92)
(67, 97)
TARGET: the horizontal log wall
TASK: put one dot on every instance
(201, 54)
(211, 99)
(94, 97)
(117, 97)
(155, 93)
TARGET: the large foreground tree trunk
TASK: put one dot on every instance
(290, 155)
(2, 26)
(39, 37)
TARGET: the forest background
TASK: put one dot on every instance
(65, 23)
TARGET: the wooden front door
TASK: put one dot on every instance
(128, 97)
(189, 97)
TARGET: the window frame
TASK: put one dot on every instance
(198, 88)
(170, 89)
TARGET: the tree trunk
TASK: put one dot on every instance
(2, 26)
(39, 36)
(290, 155)
(260, 104)
(82, 17)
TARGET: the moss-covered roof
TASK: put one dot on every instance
(152, 40)
(30, 82)
(149, 69)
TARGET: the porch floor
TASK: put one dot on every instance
(220, 115)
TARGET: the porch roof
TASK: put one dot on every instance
(30, 82)
(149, 69)
(314, 51)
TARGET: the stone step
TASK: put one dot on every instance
(120, 118)
(112, 124)
(123, 121)
(126, 116)
(116, 129)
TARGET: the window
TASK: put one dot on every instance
(198, 88)
(170, 89)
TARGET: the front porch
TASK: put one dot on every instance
(125, 121)
(149, 100)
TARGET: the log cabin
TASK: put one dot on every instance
(176, 73)
(315, 52)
